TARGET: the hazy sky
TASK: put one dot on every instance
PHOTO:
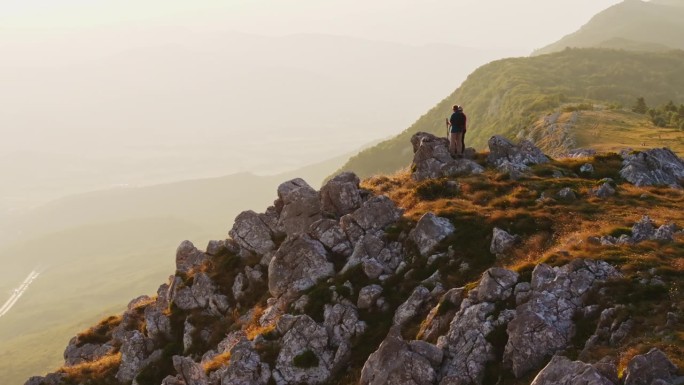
(526, 24)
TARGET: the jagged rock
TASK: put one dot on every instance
(496, 285)
(437, 321)
(157, 324)
(522, 293)
(341, 196)
(188, 257)
(567, 194)
(342, 323)
(376, 213)
(197, 296)
(525, 153)
(665, 232)
(645, 369)
(303, 337)
(298, 264)
(216, 247)
(467, 350)
(432, 159)
(643, 229)
(246, 367)
(544, 325)
(239, 285)
(50, 379)
(368, 295)
(514, 171)
(502, 242)
(562, 371)
(397, 362)
(412, 306)
(429, 232)
(609, 329)
(375, 256)
(77, 353)
(136, 353)
(587, 168)
(251, 232)
(603, 191)
(301, 206)
(658, 166)
(330, 233)
(189, 372)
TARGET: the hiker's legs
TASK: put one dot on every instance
(459, 143)
(452, 143)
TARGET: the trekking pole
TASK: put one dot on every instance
(447, 127)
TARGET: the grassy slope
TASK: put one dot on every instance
(629, 25)
(507, 96)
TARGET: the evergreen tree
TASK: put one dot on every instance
(640, 107)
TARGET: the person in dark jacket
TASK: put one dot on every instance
(457, 124)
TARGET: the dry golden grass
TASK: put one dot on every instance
(217, 362)
(253, 329)
(105, 367)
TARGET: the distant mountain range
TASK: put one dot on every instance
(656, 25)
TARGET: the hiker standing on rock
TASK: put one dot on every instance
(457, 125)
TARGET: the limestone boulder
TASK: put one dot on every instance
(398, 362)
(251, 232)
(301, 206)
(496, 285)
(430, 231)
(368, 295)
(658, 166)
(501, 150)
(416, 302)
(562, 371)
(502, 242)
(330, 234)
(246, 367)
(136, 353)
(78, 352)
(437, 322)
(299, 264)
(645, 369)
(341, 195)
(188, 257)
(544, 324)
(432, 159)
(376, 256)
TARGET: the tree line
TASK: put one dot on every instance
(667, 115)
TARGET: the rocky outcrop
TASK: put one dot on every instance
(137, 351)
(438, 320)
(412, 306)
(188, 257)
(502, 152)
(502, 242)
(544, 324)
(189, 373)
(376, 257)
(562, 371)
(341, 195)
(301, 206)
(429, 232)
(246, 367)
(399, 362)
(78, 353)
(643, 230)
(650, 368)
(251, 232)
(368, 296)
(299, 263)
(658, 166)
(432, 159)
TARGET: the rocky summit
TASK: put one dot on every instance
(508, 267)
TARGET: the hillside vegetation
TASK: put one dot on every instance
(631, 25)
(508, 96)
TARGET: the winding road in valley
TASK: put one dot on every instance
(18, 292)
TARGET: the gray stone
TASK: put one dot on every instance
(301, 206)
(368, 295)
(396, 363)
(544, 324)
(658, 166)
(502, 242)
(567, 194)
(646, 368)
(216, 247)
(78, 353)
(251, 232)
(341, 195)
(603, 191)
(188, 257)
(376, 257)
(432, 159)
(157, 324)
(299, 264)
(136, 352)
(246, 367)
(189, 371)
(412, 306)
(429, 232)
(496, 285)
(330, 234)
(502, 150)
(437, 321)
(665, 232)
(643, 230)
(562, 371)
(587, 168)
